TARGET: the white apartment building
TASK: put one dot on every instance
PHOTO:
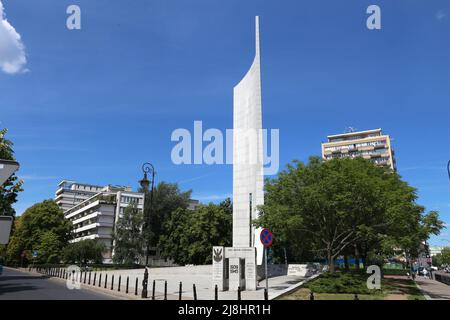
(96, 210)
(370, 144)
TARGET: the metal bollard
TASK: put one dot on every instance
(194, 289)
(120, 280)
(239, 293)
(100, 280)
(356, 296)
(89, 279)
(216, 292)
(112, 282)
(106, 280)
(85, 273)
(180, 290)
(153, 290)
(95, 276)
(136, 287)
(266, 294)
(165, 290)
(128, 282)
(145, 284)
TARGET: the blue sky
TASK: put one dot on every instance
(94, 104)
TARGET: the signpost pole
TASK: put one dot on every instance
(267, 275)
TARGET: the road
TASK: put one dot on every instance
(17, 285)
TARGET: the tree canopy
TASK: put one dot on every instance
(167, 197)
(190, 234)
(327, 209)
(84, 252)
(128, 236)
(41, 228)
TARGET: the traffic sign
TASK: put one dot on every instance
(266, 237)
(35, 254)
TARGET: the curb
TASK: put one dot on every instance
(293, 287)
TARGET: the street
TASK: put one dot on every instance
(17, 285)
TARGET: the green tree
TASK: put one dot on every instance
(167, 197)
(442, 258)
(190, 235)
(341, 206)
(128, 237)
(84, 252)
(42, 227)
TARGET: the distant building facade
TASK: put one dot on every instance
(369, 144)
(94, 210)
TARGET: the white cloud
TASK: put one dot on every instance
(12, 50)
(441, 15)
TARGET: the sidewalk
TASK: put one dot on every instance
(432, 289)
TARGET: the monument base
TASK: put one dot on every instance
(235, 268)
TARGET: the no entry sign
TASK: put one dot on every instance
(266, 237)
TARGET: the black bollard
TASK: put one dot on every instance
(239, 293)
(180, 290)
(95, 276)
(216, 292)
(356, 296)
(266, 294)
(136, 287)
(194, 289)
(112, 282)
(311, 295)
(153, 290)
(165, 290)
(128, 282)
(145, 284)
(100, 280)
(89, 279)
(106, 280)
(120, 280)
(85, 273)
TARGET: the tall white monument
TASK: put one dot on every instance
(248, 174)
(237, 266)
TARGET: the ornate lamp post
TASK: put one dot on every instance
(145, 183)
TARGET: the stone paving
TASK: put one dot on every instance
(432, 289)
(201, 276)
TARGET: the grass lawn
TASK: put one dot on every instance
(344, 286)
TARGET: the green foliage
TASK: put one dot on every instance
(84, 252)
(167, 198)
(442, 258)
(189, 235)
(344, 206)
(42, 227)
(12, 186)
(340, 282)
(129, 240)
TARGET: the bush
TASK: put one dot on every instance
(341, 282)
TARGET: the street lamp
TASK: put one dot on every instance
(7, 169)
(145, 183)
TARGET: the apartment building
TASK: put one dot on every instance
(70, 193)
(96, 210)
(369, 144)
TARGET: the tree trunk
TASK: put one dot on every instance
(347, 267)
(330, 262)
(356, 258)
